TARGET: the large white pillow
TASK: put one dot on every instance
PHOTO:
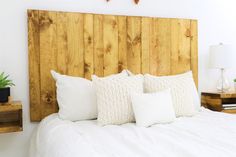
(153, 108)
(183, 91)
(76, 97)
(113, 98)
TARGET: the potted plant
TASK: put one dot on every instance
(5, 85)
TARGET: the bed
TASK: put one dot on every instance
(207, 134)
(84, 44)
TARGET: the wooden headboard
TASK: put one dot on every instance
(84, 44)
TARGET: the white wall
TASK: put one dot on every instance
(216, 24)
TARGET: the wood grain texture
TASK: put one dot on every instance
(62, 43)
(110, 39)
(122, 28)
(194, 50)
(163, 46)
(85, 44)
(134, 44)
(98, 45)
(48, 53)
(11, 117)
(147, 27)
(229, 111)
(184, 48)
(88, 45)
(180, 46)
(34, 64)
(75, 42)
(153, 52)
(215, 100)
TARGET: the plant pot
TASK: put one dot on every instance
(4, 94)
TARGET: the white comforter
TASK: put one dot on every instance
(209, 134)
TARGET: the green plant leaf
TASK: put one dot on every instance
(4, 81)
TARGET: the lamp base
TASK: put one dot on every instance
(223, 84)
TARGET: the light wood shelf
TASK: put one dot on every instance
(11, 117)
(215, 100)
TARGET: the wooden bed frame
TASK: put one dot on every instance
(83, 44)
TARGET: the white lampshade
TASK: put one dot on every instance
(222, 56)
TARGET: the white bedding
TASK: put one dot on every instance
(210, 134)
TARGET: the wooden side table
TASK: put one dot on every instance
(216, 101)
(11, 117)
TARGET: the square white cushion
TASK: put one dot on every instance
(113, 98)
(153, 108)
(76, 97)
(183, 91)
(196, 97)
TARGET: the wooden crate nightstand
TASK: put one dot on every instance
(11, 117)
(222, 102)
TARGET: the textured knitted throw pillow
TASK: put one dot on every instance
(182, 90)
(114, 98)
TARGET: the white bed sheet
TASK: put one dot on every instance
(209, 134)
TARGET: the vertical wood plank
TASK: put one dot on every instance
(163, 44)
(62, 43)
(48, 50)
(98, 45)
(184, 46)
(88, 45)
(175, 27)
(194, 50)
(110, 38)
(122, 28)
(180, 46)
(75, 57)
(34, 64)
(147, 27)
(134, 44)
(153, 52)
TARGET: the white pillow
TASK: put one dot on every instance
(113, 98)
(153, 108)
(76, 97)
(183, 91)
(196, 98)
(129, 72)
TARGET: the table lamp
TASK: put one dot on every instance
(222, 57)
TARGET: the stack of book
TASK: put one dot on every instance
(229, 106)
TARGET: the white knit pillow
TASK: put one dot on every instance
(113, 98)
(182, 91)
